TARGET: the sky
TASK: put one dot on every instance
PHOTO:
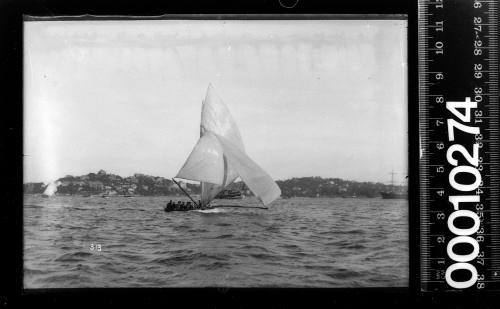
(311, 97)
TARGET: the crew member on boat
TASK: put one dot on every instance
(169, 206)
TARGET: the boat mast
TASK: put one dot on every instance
(185, 192)
(392, 179)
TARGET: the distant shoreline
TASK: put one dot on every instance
(104, 184)
(183, 196)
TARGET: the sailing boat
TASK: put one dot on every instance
(393, 194)
(51, 189)
(219, 157)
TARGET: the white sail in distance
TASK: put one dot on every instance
(51, 188)
(219, 157)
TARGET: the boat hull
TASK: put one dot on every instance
(171, 210)
(393, 195)
(229, 195)
(230, 198)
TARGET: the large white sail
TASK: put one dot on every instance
(209, 160)
(219, 157)
(216, 118)
(205, 163)
(257, 180)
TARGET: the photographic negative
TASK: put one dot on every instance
(215, 153)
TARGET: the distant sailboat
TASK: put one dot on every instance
(229, 194)
(51, 189)
(392, 194)
(219, 157)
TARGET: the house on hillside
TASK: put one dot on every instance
(96, 184)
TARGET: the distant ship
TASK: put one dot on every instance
(229, 195)
(392, 194)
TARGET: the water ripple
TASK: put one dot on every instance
(298, 242)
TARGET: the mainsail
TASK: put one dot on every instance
(257, 180)
(216, 118)
(219, 157)
(205, 163)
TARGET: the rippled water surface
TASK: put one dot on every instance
(298, 242)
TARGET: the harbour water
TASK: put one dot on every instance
(73, 241)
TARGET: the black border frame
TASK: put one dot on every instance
(12, 14)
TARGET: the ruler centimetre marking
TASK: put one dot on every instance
(459, 145)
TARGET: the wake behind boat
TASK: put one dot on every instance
(219, 158)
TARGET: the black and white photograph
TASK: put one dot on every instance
(254, 153)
